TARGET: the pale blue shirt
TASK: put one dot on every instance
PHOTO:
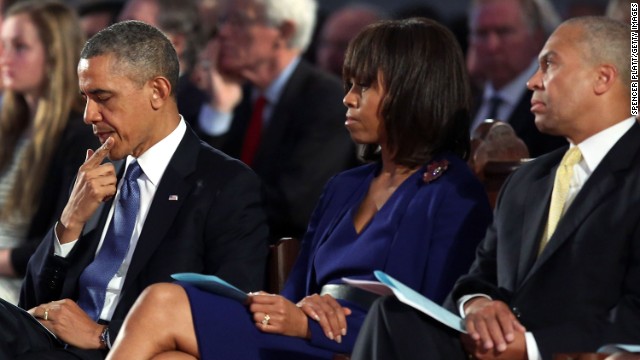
(215, 123)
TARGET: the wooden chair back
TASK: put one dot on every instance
(282, 256)
(496, 151)
(499, 144)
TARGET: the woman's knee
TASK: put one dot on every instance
(164, 295)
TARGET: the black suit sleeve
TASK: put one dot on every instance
(590, 329)
(46, 278)
(237, 227)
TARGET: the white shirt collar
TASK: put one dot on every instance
(154, 161)
(596, 147)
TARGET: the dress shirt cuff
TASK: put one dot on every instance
(532, 347)
(62, 250)
(213, 122)
(463, 300)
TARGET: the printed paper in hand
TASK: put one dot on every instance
(389, 285)
(212, 284)
(612, 348)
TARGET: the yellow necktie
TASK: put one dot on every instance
(560, 192)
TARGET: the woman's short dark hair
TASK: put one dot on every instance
(425, 106)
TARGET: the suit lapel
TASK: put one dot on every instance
(234, 139)
(273, 134)
(163, 210)
(600, 184)
(535, 216)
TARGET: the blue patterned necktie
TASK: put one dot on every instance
(95, 277)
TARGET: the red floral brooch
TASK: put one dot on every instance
(435, 169)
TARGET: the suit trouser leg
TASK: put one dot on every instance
(20, 333)
(64, 354)
(21, 337)
(394, 330)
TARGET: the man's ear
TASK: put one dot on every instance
(287, 29)
(160, 91)
(606, 76)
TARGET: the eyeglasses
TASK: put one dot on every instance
(239, 20)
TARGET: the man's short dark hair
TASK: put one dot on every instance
(141, 50)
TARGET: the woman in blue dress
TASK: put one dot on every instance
(415, 211)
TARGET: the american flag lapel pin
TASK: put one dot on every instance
(173, 197)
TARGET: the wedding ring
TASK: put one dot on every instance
(265, 320)
(46, 315)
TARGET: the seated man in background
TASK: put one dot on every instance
(504, 38)
(559, 269)
(181, 206)
(289, 126)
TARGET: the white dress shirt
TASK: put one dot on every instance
(593, 150)
(153, 163)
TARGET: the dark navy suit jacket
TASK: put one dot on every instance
(217, 226)
(584, 289)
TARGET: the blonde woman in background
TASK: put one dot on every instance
(42, 137)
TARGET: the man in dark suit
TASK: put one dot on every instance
(558, 271)
(295, 140)
(505, 36)
(197, 210)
